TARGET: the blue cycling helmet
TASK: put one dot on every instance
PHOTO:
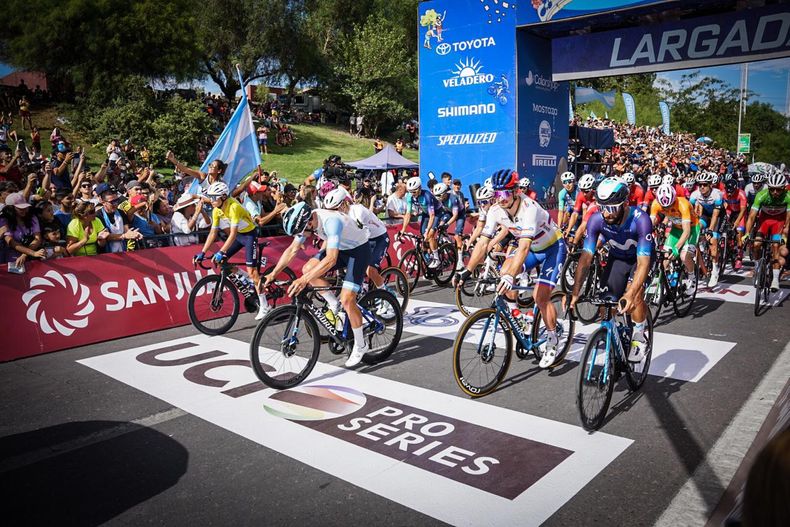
(612, 191)
(296, 218)
(505, 179)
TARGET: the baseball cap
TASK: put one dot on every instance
(17, 199)
(132, 184)
(101, 188)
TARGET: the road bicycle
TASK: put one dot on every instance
(213, 303)
(728, 245)
(394, 279)
(415, 261)
(479, 290)
(670, 283)
(604, 361)
(586, 311)
(763, 269)
(484, 346)
(287, 342)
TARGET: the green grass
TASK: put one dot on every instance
(313, 144)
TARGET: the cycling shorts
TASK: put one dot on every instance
(459, 225)
(733, 215)
(615, 276)
(771, 228)
(704, 221)
(248, 240)
(355, 261)
(378, 248)
(551, 261)
(674, 236)
(424, 223)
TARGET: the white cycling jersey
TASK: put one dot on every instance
(530, 221)
(338, 230)
(367, 219)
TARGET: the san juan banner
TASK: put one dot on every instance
(664, 107)
(630, 108)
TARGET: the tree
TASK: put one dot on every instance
(93, 44)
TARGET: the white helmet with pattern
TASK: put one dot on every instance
(413, 184)
(484, 193)
(567, 177)
(666, 195)
(334, 199)
(653, 180)
(440, 189)
(218, 189)
(629, 178)
(668, 180)
(586, 182)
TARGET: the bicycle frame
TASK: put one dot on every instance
(502, 310)
(611, 333)
(340, 337)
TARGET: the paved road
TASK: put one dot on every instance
(126, 437)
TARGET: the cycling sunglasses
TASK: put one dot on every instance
(503, 194)
(611, 209)
(483, 202)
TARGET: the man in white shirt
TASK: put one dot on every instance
(387, 180)
(188, 216)
(396, 202)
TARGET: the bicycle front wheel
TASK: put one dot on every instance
(213, 307)
(565, 328)
(596, 380)
(475, 293)
(482, 352)
(279, 288)
(383, 322)
(685, 290)
(654, 295)
(284, 347)
(410, 265)
(399, 283)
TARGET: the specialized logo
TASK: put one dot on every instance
(543, 160)
(487, 138)
(466, 110)
(51, 282)
(467, 73)
(465, 45)
(544, 134)
(540, 82)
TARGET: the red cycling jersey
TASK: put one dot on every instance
(582, 202)
(637, 196)
(735, 202)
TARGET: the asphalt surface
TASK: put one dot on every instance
(79, 447)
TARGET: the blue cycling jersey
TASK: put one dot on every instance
(626, 241)
(566, 200)
(423, 204)
(455, 205)
(709, 203)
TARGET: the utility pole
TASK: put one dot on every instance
(742, 102)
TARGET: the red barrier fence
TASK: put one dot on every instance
(70, 302)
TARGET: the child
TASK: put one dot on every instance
(54, 247)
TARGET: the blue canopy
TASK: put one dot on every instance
(705, 139)
(386, 159)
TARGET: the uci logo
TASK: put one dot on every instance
(443, 48)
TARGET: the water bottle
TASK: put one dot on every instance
(522, 320)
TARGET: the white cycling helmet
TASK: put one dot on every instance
(776, 179)
(654, 180)
(668, 179)
(759, 177)
(218, 189)
(488, 183)
(413, 184)
(334, 199)
(440, 189)
(629, 178)
(704, 177)
(485, 192)
(586, 182)
(666, 195)
(688, 184)
(567, 177)
(524, 183)
(715, 177)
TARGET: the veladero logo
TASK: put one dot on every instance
(487, 138)
(468, 73)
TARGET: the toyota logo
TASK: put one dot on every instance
(443, 48)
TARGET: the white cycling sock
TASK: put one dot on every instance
(639, 331)
(551, 337)
(776, 274)
(331, 299)
(262, 301)
(359, 337)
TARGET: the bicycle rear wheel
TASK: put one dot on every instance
(482, 352)
(448, 256)
(213, 308)
(759, 284)
(284, 347)
(596, 380)
(383, 322)
(685, 290)
(398, 282)
(636, 372)
(410, 265)
(565, 330)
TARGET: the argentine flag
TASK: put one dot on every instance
(237, 145)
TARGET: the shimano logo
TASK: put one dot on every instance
(541, 82)
(464, 111)
(465, 45)
(468, 139)
(541, 160)
(548, 110)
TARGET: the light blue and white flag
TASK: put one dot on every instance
(630, 108)
(664, 107)
(584, 95)
(194, 187)
(592, 115)
(570, 107)
(237, 145)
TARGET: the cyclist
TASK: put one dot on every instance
(453, 212)
(346, 246)
(735, 208)
(566, 199)
(421, 202)
(770, 211)
(653, 182)
(629, 233)
(483, 199)
(231, 216)
(584, 198)
(683, 236)
(708, 203)
(524, 185)
(539, 242)
(636, 196)
(340, 200)
(756, 185)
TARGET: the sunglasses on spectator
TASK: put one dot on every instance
(85, 185)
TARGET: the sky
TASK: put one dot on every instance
(768, 80)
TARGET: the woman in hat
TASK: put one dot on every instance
(188, 215)
(21, 229)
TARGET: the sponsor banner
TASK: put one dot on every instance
(542, 115)
(630, 108)
(539, 11)
(457, 460)
(467, 88)
(70, 302)
(674, 356)
(747, 35)
(664, 107)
